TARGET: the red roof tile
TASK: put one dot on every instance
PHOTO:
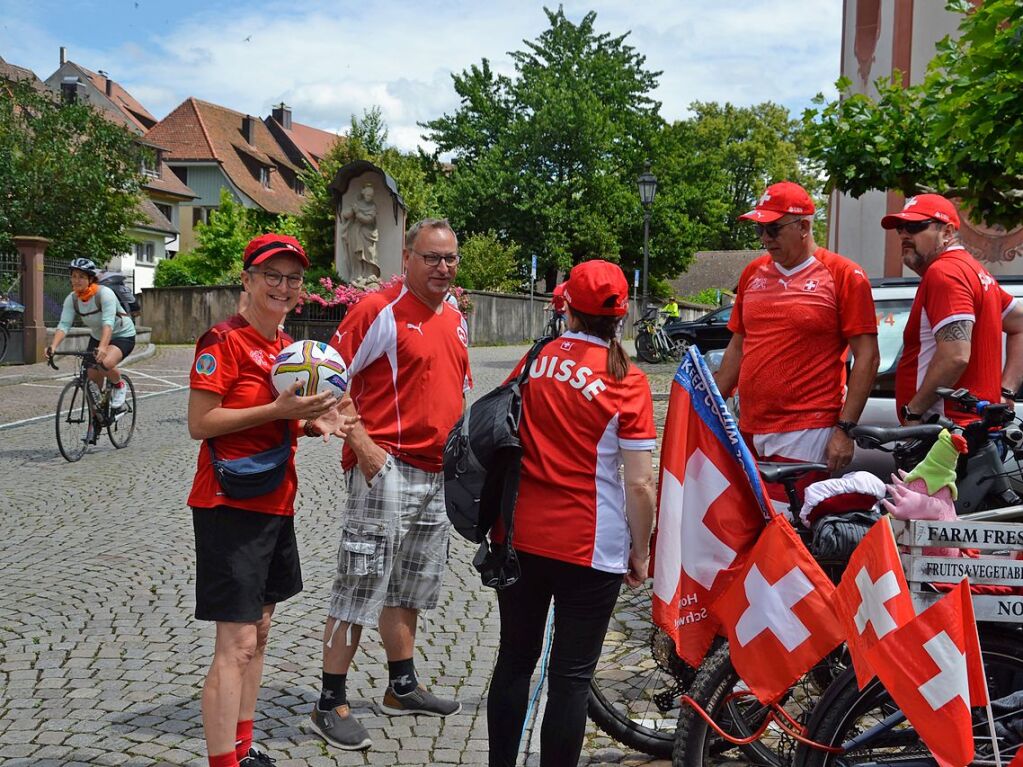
(129, 106)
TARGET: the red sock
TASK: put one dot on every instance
(243, 739)
(230, 759)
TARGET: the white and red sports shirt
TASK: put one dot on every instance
(576, 421)
(955, 287)
(233, 359)
(408, 367)
(796, 325)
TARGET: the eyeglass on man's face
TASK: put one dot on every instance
(772, 230)
(434, 259)
(274, 278)
(913, 227)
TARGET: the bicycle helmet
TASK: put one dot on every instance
(85, 265)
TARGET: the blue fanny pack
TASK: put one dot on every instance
(253, 475)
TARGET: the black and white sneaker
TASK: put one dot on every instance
(257, 758)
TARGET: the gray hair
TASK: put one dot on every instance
(426, 223)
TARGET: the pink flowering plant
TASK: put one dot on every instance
(329, 294)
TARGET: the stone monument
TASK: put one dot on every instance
(370, 223)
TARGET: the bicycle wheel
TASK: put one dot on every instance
(646, 349)
(636, 685)
(73, 419)
(5, 338)
(847, 711)
(122, 425)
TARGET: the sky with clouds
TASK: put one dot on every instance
(331, 59)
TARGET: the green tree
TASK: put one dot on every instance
(488, 264)
(959, 132)
(548, 158)
(66, 173)
(366, 140)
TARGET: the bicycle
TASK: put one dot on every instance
(652, 343)
(555, 325)
(83, 410)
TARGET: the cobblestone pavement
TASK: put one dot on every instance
(101, 661)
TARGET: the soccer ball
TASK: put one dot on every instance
(318, 366)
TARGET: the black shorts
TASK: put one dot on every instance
(244, 561)
(124, 344)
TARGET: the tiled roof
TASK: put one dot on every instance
(311, 143)
(137, 114)
(153, 219)
(199, 131)
(169, 183)
(719, 269)
(15, 73)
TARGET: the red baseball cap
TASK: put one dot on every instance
(597, 287)
(267, 246)
(924, 207)
(779, 200)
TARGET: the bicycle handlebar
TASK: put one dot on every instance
(89, 355)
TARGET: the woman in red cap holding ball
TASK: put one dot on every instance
(246, 553)
(578, 530)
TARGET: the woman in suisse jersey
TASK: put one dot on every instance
(246, 554)
(578, 530)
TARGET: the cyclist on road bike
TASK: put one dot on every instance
(798, 312)
(953, 337)
(557, 305)
(111, 331)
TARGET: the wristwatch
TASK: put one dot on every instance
(1008, 394)
(846, 426)
(909, 415)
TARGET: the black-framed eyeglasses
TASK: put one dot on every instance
(771, 230)
(274, 279)
(913, 227)
(434, 259)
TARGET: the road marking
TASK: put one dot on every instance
(48, 416)
(153, 378)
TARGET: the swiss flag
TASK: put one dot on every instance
(711, 508)
(933, 670)
(872, 599)
(778, 613)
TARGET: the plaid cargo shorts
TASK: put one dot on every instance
(394, 543)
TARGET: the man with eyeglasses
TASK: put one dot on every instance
(409, 368)
(799, 310)
(953, 336)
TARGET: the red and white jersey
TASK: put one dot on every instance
(576, 421)
(408, 367)
(796, 325)
(233, 360)
(955, 287)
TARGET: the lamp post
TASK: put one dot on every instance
(647, 190)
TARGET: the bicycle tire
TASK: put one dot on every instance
(636, 685)
(845, 710)
(72, 421)
(121, 428)
(646, 349)
(5, 338)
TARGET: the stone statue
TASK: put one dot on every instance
(360, 235)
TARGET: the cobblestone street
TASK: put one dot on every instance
(101, 661)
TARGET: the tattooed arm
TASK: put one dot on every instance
(951, 356)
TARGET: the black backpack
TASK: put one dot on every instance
(482, 457)
(124, 294)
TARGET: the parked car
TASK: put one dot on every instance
(708, 332)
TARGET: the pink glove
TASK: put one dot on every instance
(912, 502)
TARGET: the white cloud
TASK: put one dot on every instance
(328, 60)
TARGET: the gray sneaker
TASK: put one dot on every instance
(340, 728)
(419, 701)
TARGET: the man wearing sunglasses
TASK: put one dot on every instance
(798, 312)
(953, 336)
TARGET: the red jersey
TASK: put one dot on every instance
(233, 360)
(955, 287)
(409, 367)
(576, 421)
(796, 325)
(558, 302)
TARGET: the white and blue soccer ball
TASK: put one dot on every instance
(318, 366)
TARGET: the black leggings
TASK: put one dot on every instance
(584, 599)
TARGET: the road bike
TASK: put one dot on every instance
(84, 410)
(652, 343)
(555, 323)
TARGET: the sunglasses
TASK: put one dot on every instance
(771, 230)
(913, 227)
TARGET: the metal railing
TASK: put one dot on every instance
(10, 276)
(315, 322)
(56, 286)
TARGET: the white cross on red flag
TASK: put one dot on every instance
(777, 613)
(933, 670)
(872, 600)
(712, 507)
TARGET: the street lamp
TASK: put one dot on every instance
(647, 190)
